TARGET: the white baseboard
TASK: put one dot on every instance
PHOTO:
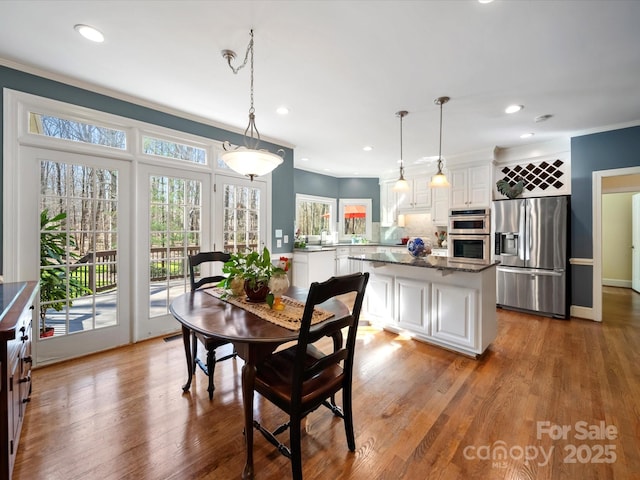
(614, 282)
(581, 312)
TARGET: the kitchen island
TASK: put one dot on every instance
(442, 302)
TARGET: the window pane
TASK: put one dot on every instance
(179, 151)
(65, 129)
(312, 218)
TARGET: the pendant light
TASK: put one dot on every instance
(401, 185)
(249, 160)
(439, 179)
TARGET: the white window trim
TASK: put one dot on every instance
(303, 197)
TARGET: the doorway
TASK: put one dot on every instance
(85, 289)
(606, 181)
(174, 208)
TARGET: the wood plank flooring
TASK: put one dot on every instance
(420, 412)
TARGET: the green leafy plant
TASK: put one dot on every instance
(254, 267)
(55, 285)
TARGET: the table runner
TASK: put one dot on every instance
(290, 317)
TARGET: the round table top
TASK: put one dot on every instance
(206, 314)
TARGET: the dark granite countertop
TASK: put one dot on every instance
(439, 263)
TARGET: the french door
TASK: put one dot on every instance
(173, 212)
(82, 235)
(241, 214)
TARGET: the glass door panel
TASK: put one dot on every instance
(172, 226)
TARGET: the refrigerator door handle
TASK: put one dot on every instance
(521, 233)
(532, 271)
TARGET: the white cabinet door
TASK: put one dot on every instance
(413, 308)
(421, 193)
(479, 186)
(440, 207)
(311, 267)
(379, 298)
(300, 270)
(343, 266)
(418, 197)
(454, 315)
(388, 205)
(404, 200)
(458, 181)
(471, 187)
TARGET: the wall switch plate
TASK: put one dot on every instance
(279, 243)
(279, 233)
(286, 239)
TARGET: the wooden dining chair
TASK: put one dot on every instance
(210, 343)
(301, 378)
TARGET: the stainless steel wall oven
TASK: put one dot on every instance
(469, 236)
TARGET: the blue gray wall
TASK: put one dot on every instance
(590, 153)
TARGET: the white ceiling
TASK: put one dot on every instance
(344, 68)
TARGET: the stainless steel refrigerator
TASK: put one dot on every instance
(531, 243)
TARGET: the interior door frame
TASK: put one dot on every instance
(635, 242)
(596, 186)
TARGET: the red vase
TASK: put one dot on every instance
(258, 294)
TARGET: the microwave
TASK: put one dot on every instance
(474, 221)
(469, 248)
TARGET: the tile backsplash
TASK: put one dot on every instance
(415, 225)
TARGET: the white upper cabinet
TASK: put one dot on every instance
(471, 186)
(440, 206)
(388, 204)
(417, 197)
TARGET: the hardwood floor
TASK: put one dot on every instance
(420, 412)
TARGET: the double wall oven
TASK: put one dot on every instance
(469, 235)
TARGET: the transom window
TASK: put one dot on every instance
(76, 131)
(170, 149)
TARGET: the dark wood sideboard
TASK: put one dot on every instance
(17, 318)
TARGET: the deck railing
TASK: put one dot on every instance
(98, 270)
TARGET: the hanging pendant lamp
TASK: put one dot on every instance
(401, 185)
(249, 160)
(439, 179)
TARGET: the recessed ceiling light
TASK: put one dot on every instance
(90, 33)
(527, 135)
(513, 108)
(485, 1)
(282, 111)
(367, 148)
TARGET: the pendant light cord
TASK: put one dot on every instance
(401, 161)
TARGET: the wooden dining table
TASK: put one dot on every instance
(254, 339)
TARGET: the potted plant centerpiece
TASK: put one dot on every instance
(254, 270)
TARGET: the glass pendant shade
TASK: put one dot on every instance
(401, 185)
(251, 162)
(439, 180)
